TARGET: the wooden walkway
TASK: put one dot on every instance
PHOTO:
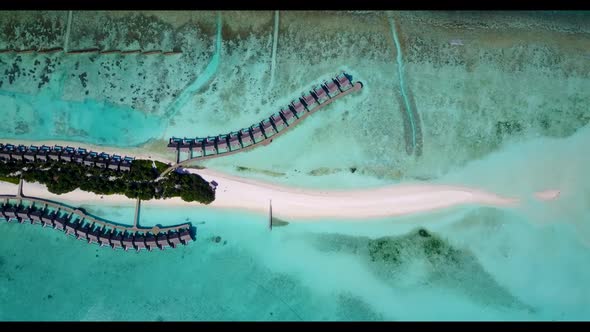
(356, 87)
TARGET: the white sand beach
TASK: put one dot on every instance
(302, 204)
(235, 192)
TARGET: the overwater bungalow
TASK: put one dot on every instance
(115, 239)
(114, 164)
(92, 235)
(71, 225)
(268, 129)
(125, 165)
(187, 144)
(22, 212)
(174, 239)
(16, 155)
(150, 242)
(198, 147)
(297, 108)
(89, 159)
(2, 208)
(69, 154)
(257, 133)
(343, 82)
(29, 156)
(185, 236)
(10, 212)
(234, 142)
(332, 88)
(47, 222)
(162, 241)
(82, 231)
(278, 122)
(320, 94)
(175, 142)
(309, 101)
(103, 160)
(48, 217)
(80, 155)
(42, 153)
(34, 218)
(287, 115)
(54, 154)
(59, 224)
(4, 154)
(139, 242)
(127, 241)
(246, 137)
(104, 238)
(222, 144)
(210, 146)
(36, 214)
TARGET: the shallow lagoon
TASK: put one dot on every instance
(489, 120)
(502, 267)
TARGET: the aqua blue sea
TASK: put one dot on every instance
(505, 115)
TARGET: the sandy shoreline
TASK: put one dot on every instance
(235, 192)
(301, 204)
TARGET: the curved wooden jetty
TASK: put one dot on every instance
(78, 223)
(80, 155)
(266, 131)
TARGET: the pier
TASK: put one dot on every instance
(270, 215)
(9, 152)
(263, 133)
(76, 222)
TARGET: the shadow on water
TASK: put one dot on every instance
(276, 222)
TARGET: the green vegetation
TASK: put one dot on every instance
(9, 179)
(139, 182)
(160, 166)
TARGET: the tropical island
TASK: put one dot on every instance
(139, 179)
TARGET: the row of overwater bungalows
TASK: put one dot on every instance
(85, 229)
(45, 153)
(267, 128)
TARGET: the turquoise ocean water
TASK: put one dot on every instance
(480, 125)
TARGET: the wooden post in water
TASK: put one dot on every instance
(270, 215)
(136, 219)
